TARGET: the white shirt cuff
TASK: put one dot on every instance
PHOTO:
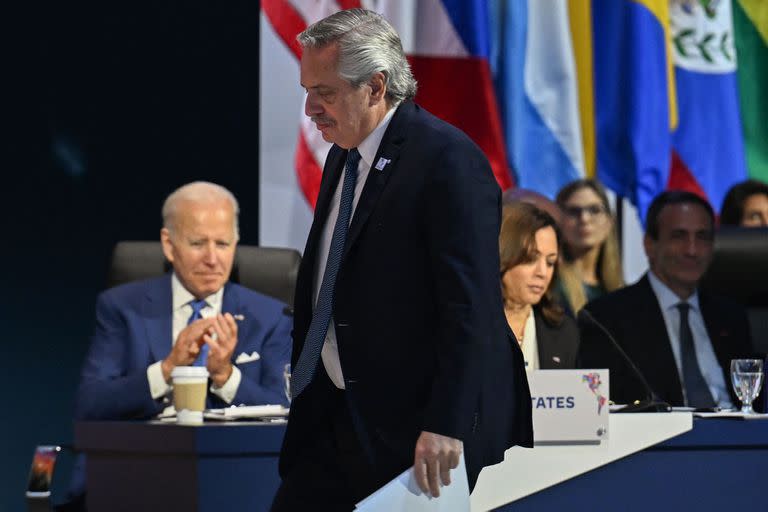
(157, 385)
(229, 389)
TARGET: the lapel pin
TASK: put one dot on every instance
(382, 163)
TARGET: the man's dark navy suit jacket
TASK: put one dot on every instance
(422, 337)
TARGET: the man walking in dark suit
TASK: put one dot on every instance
(681, 339)
(402, 356)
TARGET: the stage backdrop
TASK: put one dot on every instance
(285, 213)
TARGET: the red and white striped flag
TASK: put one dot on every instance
(447, 44)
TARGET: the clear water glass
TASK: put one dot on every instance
(287, 381)
(747, 380)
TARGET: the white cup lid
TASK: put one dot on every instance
(189, 371)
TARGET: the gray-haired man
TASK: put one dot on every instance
(402, 355)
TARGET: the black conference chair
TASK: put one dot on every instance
(268, 270)
(739, 270)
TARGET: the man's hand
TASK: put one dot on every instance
(187, 346)
(435, 456)
(222, 346)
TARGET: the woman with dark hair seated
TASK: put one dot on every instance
(746, 204)
(528, 253)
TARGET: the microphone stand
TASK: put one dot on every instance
(652, 402)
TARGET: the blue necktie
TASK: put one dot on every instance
(197, 307)
(696, 389)
(321, 317)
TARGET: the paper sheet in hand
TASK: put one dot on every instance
(403, 494)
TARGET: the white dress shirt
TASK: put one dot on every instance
(182, 310)
(529, 345)
(367, 149)
(705, 354)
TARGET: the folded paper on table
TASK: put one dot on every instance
(404, 494)
(247, 411)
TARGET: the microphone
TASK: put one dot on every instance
(652, 402)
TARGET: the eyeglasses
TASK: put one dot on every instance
(576, 212)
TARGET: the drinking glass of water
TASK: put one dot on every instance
(747, 378)
(287, 381)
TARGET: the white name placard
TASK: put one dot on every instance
(569, 405)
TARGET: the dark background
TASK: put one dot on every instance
(111, 106)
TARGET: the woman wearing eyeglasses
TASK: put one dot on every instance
(528, 254)
(590, 248)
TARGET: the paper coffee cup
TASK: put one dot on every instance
(190, 387)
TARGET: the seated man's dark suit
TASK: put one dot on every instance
(134, 330)
(422, 337)
(634, 318)
(557, 344)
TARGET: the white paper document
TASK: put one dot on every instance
(246, 412)
(731, 414)
(403, 494)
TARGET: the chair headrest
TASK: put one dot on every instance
(268, 270)
(739, 267)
